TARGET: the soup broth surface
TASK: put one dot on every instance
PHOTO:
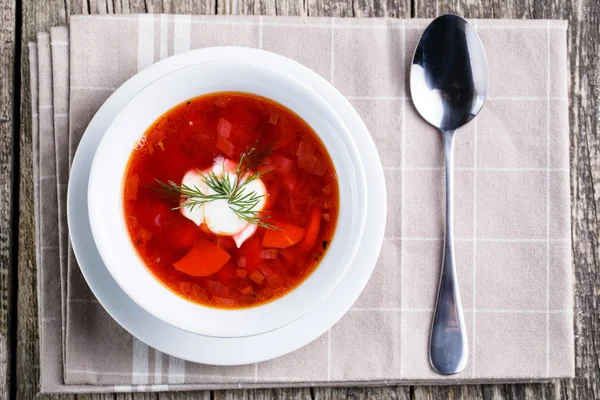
(284, 236)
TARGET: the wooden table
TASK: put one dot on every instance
(21, 19)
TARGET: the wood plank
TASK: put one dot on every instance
(7, 90)
(583, 49)
(36, 16)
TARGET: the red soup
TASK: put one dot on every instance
(231, 200)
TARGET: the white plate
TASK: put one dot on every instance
(214, 350)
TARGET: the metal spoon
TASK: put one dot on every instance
(448, 84)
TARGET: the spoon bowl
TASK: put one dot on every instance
(448, 84)
(448, 77)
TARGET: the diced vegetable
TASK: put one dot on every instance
(223, 302)
(312, 229)
(328, 204)
(327, 189)
(241, 272)
(223, 128)
(185, 288)
(199, 293)
(275, 280)
(309, 158)
(327, 217)
(144, 234)
(204, 259)
(257, 277)
(247, 290)
(267, 271)
(221, 102)
(288, 236)
(131, 187)
(269, 254)
(216, 288)
(273, 117)
(225, 146)
(284, 164)
(242, 262)
(251, 251)
(141, 143)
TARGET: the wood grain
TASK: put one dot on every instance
(7, 50)
(36, 17)
(584, 54)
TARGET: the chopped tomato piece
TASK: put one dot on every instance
(269, 254)
(184, 288)
(257, 277)
(223, 302)
(204, 259)
(312, 229)
(275, 280)
(225, 146)
(273, 117)
(222, 102)
(241, 272)
(223, 128)
(199, 293)
(247, 290)
(131, 187)
(267, 271)
(284, 164)
(144, 234)
(288, 236)
(250, 250)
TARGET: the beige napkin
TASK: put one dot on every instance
(512, 204)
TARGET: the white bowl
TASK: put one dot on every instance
(108, 221)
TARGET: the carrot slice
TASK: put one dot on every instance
(312, 229)
(288, 236)
(204, 259)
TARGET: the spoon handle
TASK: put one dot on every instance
(448, 349)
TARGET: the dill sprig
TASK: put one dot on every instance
(241, 201)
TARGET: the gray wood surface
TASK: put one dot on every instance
(7, 54)
(584, 53)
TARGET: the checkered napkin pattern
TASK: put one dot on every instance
(512, 204)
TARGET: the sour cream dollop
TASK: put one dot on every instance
(218, 215)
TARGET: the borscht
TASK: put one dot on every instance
(230, 200)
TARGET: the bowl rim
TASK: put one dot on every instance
(223, 318)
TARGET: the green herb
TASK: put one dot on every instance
(241, 201)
